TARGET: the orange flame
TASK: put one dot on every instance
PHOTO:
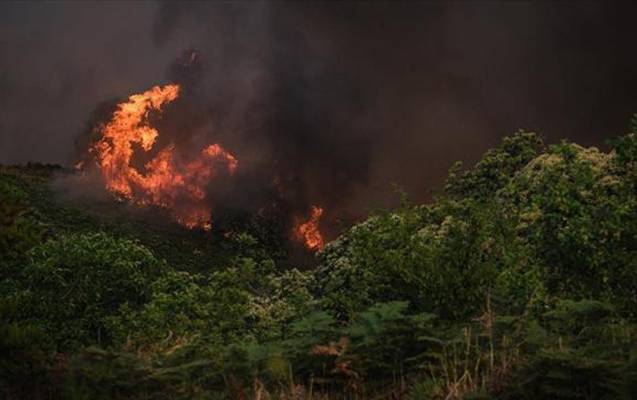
(177, 186)
(309, 233)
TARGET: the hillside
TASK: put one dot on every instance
(518, 282)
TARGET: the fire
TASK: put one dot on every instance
(165, 181)
(308, 232)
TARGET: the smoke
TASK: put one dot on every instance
(322, 103)
(267, 92)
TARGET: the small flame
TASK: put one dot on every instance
(308, 232)
(166, 182)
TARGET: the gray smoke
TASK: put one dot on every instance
(336, 100)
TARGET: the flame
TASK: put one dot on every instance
(308, 232)
(165, 181)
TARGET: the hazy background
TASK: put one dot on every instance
(347, 97)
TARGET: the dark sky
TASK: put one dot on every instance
(369, 93)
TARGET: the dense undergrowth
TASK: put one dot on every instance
(518, 282)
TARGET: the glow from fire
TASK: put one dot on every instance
(308, 232)
(178, 186)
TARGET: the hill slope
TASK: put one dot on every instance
(519, 281)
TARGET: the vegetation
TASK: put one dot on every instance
(518, 282)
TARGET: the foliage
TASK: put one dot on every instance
(439, 259)
(495, 169)
(72, 283)
(577, 219)
(561, 225)
(19, 230)
(25, 349)
(518, 282)
(582, 351)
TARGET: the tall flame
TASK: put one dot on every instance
(308, 232)
(166, 182)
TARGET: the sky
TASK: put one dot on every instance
(359, 96)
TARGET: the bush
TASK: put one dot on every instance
(520, 281)
(19, 231)
(577, 216)
(72, 283)
(26, 355)
(442, 259)
(495, 169)
(561, 224)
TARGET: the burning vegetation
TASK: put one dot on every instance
(165, 180)
(141, 165)
(348, 327)
(308, 232)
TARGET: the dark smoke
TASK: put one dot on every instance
(334, 101)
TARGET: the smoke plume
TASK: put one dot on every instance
(322, 103)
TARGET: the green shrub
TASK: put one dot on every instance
(25, 355)
(72, 283)
(577, 217)
(19, 231)
(495, 169)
